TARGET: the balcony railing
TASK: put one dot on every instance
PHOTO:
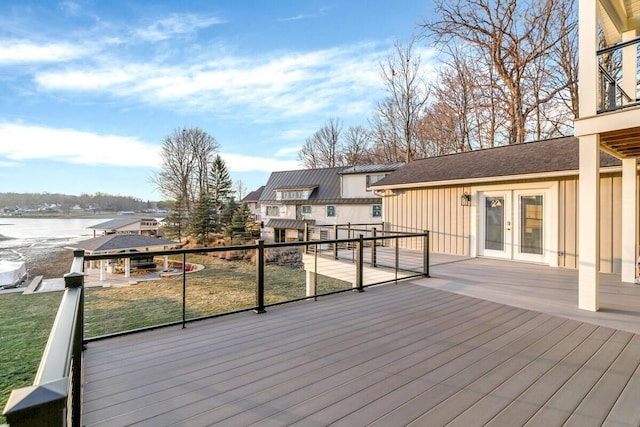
(280, 272)
(611, 93)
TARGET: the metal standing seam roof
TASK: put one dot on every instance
(327, 181)
(113, 242)
(553, 155)
(372, 168)
(288, 223)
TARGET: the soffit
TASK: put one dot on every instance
(618, 16)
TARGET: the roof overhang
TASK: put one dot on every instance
(491, 179)
(617, 17)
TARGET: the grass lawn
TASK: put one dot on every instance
(221, 287)
(26, 323)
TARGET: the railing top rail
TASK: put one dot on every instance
(618, 46)
(118, 255)
(56, 358)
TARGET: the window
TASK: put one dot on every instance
(331, 211)
(372, 179)
(306, 209)
(376, 211)
(273, 211)
(280, 235)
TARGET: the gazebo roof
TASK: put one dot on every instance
(123, 242)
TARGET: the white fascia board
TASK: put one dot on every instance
(484, 180)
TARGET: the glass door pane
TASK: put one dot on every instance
(494, 223)
(531, 227)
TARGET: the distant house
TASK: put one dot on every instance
(518, 202)
(253, 203)
(141, 226)
(325, 196)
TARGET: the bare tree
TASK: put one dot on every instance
(186, 155)
(517, 37)
(355, 149)
(397, 117)
(323, 149)
(240, 188)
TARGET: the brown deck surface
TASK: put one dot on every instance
(394, 355)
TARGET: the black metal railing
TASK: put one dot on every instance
(54, 397)
(311, 269)
(612, 94)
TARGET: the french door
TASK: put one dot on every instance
(513, 225)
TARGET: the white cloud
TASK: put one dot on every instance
(25, 51)
(176, 24)
(287, 151)
(241, 163)
(289, 84)
(20, 142)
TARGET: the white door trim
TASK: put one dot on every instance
(550, 189)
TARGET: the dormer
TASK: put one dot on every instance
(294, 193)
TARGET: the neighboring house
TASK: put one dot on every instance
(252, 201)
(323, 196)
(516, 202)
(142, 226)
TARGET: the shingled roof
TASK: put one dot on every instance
(254, 196)
(548, 156)
(115, 242)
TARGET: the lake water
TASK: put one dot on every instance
(22, 236)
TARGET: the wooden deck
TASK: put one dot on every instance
(394, 355)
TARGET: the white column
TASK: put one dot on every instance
(629, 220)
(588, 45)
(127, 267)
(589, 224)
(629, 66)
(166, 262)
(103, 274)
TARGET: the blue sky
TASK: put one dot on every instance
(90, 88)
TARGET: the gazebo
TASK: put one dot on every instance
(136, 244)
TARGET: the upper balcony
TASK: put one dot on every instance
(609, 93)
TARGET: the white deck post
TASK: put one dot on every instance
(103, 274)
(166, 262)
(127, 267)
(589, 224)
(629, 220)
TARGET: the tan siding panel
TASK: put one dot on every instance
(605, 224)
(616, 226)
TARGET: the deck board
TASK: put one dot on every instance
(393, 355)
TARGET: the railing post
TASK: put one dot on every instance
(373, 248)
(397, 263)
(425, 253)
(75, 279)
(260, 278)
(184, 290)
(335, 245)
(359, 261)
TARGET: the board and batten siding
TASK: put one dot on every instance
(435, 209)
(438, 210)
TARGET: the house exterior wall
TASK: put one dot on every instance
(355, 185)
(436, 209)
(439, 210)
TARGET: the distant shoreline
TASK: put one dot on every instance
(83, 215)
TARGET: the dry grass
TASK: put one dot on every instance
(223, 286)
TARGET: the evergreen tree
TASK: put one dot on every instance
(220, 183)
(202, 221)
(176, 221)
(239, 220)
(220, 191)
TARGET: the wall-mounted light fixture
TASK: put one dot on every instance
(465, 199)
